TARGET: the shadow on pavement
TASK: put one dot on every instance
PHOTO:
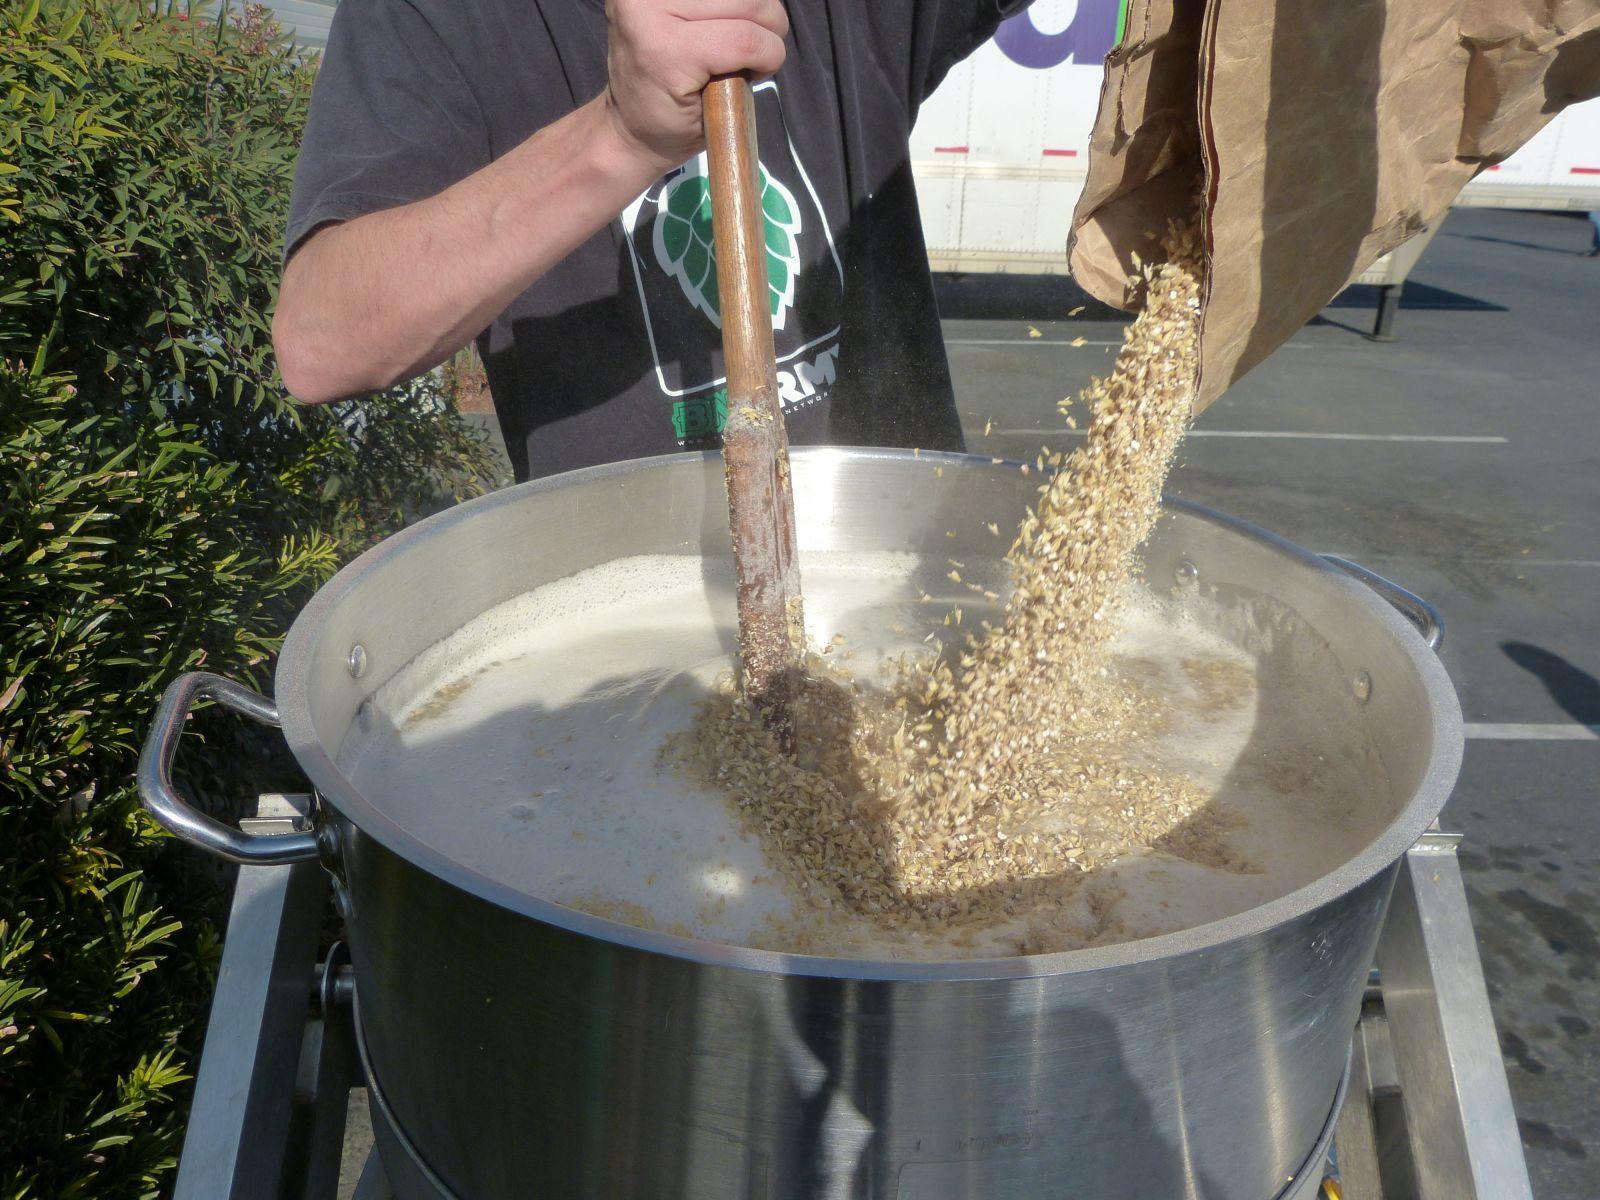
(1548, 249)
(1573, 688)
(1416, 295)
(977, 297)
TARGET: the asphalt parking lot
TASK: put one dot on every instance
(1461, 461)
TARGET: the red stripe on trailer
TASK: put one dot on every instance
(1586, 170)
(949, 149)
(1061, 153)
(1492, 167)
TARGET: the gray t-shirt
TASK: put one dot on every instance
(616, 352)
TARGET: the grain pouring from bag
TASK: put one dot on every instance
(934, 814)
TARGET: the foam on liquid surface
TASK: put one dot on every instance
(529, 745)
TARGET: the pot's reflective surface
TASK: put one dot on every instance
(528, 1050)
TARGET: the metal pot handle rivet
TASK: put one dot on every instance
(176, 814)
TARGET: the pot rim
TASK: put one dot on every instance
(1402, 831)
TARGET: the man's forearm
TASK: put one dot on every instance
(372, 301)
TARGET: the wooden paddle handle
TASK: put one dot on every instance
(755, 446)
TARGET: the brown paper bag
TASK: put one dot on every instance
(1317, 136)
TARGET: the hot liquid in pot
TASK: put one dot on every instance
(540, 745)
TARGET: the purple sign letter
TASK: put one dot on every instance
(1087, 39)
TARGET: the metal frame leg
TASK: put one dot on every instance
(237, 1136)
(1356, 1136)
(1463, 1130)
(322, 1102)
(373, 1184)
(1388, 305)
(272, 1093)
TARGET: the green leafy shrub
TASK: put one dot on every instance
(121, 566)
(162, 506)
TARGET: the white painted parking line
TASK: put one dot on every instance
(1295, 435)
(1551, 732)
(1074, 343)
(1468, 559)
(1452, 438)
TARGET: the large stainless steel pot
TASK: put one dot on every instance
(523, 1049)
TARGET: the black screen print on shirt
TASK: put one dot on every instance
(668, 233)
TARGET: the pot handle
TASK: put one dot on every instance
(176, 814)
(1424, 616)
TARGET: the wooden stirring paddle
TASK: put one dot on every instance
(755, 446)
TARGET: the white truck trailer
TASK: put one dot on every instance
(1000, 151)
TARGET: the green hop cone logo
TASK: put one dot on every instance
(685, 250)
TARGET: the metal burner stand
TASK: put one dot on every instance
(1427, 1115)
